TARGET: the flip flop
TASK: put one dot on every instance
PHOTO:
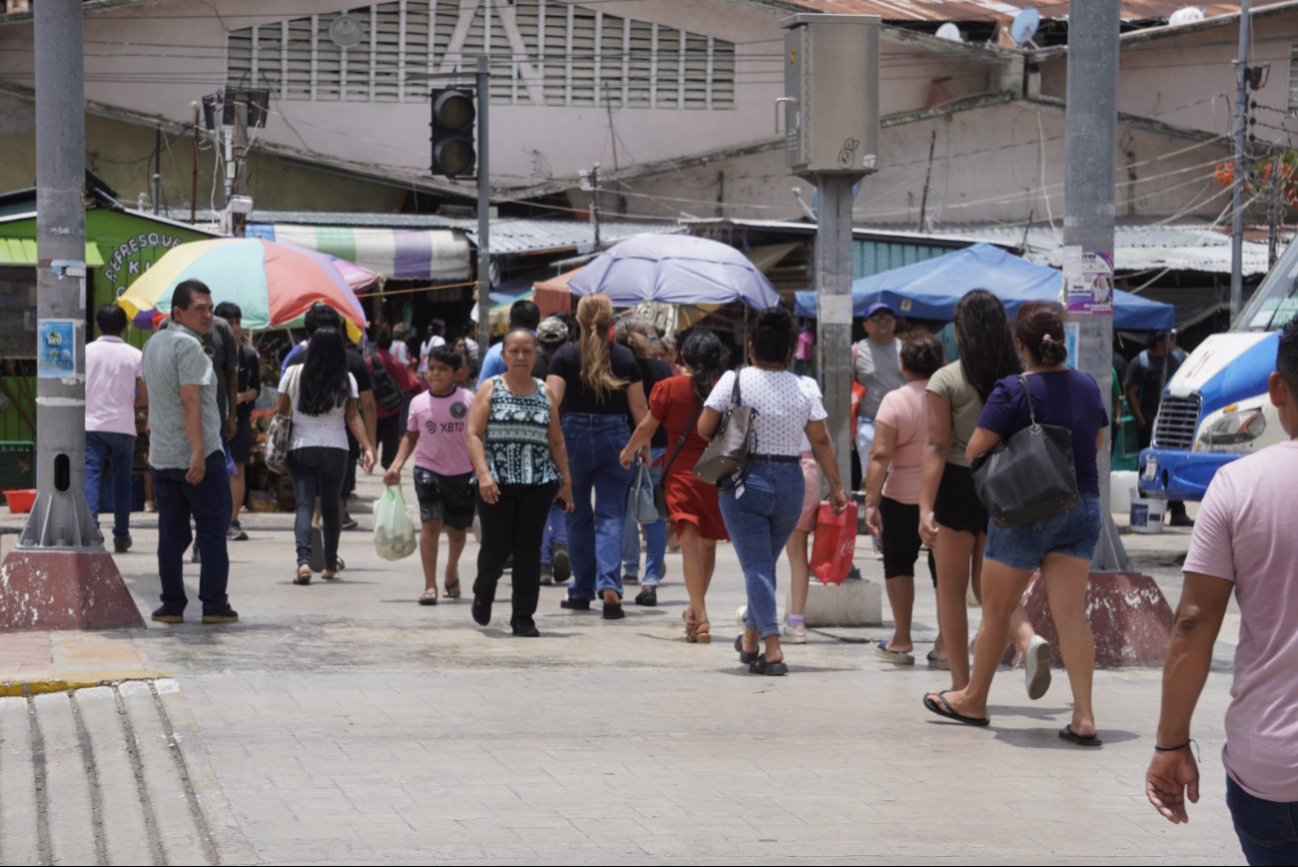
(896, 657)
(744, 656)
(770, 669)
(428, 597)
(945, 710)
(1068, 734)
(938, 664)
(452, 589)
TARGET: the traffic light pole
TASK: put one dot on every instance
(484, 207)
(60, 576)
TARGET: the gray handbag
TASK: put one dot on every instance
(280, 432)
(1029, 476)
(732, 444)
(640, 500)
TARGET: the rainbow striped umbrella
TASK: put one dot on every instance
(273, 284)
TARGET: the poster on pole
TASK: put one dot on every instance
(57, 348)
(1088, 282)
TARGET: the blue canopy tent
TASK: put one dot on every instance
(930, 289)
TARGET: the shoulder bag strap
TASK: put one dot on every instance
(698, 410)
(1027, 395)
(291, 389)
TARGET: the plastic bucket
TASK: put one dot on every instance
(20, 502)
(1146, 514)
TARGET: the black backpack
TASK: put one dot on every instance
(386, 392)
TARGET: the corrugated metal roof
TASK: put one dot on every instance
(1138, 246)
(22, 251)
(992, 10)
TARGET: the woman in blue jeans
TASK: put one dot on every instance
(1062, 546)
(762, 504)
(596, 384)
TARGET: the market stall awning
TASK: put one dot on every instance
(22, 251)
(930, 289)
(400, 254)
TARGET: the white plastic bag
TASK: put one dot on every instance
(394, 534)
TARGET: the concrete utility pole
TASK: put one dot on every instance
(831, 121)
(1241, 143)
(60, 577)
(484, 206)
(1090, 165)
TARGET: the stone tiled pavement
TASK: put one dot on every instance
(344, 724)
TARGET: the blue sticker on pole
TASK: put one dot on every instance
(56, 356)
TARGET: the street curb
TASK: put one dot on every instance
(38, 686)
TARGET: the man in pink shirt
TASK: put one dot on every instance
(1243, 541)
(113, 390)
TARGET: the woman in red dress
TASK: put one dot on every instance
(675, 404)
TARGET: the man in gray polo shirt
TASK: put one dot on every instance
(186, 457)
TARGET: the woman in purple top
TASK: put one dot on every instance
(1061, 547)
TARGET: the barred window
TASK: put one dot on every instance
(544, 52)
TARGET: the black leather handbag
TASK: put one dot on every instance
(1029, 476)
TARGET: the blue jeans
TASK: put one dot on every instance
(595, 531)
(210, 503)
(114, 452)
(1268, 830)
(655, 537)
(760, 517)
(556, 531)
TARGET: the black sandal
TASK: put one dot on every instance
(745, 656)
(945, 710)
(770, 669)
(453, 589)
(1068, 734)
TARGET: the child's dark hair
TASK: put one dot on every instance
(1286, 357)
(921, 353)
(773, 336)
(1040, 327)
(447, 355)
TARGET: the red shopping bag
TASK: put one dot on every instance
(835, 543)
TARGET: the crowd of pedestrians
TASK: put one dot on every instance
(542, 451)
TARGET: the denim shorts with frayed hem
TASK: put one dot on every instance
(1075, 533)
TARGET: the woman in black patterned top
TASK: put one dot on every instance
(521, 464)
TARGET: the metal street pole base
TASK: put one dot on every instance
(59, 590)
(1129, 617)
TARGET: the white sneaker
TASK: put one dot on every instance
(794, 633)
(740, 613)
(1037, 667)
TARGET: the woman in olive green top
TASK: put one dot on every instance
(952, 520)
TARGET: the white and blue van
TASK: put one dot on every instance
(1216, 408)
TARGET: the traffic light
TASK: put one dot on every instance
(454, 154)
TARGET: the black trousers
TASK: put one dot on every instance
(389, 434)
(513, 525)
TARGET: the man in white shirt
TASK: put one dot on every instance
(113, 391)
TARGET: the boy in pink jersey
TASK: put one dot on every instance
(436, 435)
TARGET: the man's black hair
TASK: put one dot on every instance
(1155, 338)
(111, 320)
(574, 332)
(321, 316)
(448, 355)
(1286, 357)
(524, 314)
(183, 295)
(436, 328)
(228, 310)
(384, 340)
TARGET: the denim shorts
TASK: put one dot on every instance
(1075, 533)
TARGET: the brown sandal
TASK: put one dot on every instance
(703, 633)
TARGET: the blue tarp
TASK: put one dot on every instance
(930, 289)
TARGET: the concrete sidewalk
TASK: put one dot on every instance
(342, 722)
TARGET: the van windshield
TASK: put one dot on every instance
(1276, 301)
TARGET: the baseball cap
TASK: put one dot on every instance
(552, 330)
(876, 307)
